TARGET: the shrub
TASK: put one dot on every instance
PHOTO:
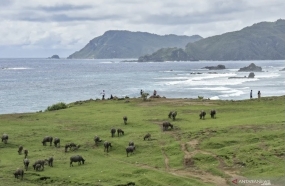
(56, 106)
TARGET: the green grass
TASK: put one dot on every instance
(247, 137)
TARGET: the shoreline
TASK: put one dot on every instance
(149, 100)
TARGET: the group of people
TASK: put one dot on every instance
(258, 94)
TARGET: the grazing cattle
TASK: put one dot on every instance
(37, 163)
(131, 143)
(113, 131)
(97, 140)
(130, 149)
(120, 132)
(71, 146)
(107, 145)
(56, 141)
(125, 118)
(26, 153)
(49, 161)
(47, 139)
(202, 114)
(20, 149)
(26, 163)
(5, 138)
(166, 124)
(76, 158)
(172, 114)
(213, 114)
(19, 172)
(147, 136)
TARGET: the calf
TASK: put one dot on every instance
(39, 162)
(147, 136)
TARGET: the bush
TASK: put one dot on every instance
(57, 106)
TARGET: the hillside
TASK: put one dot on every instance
(126, 44)
(245, 140)
(261, 41)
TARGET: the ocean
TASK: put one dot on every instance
(31, 85)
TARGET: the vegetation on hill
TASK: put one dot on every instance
(244, 141)
(261, 41)
(126, 44)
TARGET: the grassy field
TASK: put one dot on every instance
(245, 141)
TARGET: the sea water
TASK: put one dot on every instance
(30, 85)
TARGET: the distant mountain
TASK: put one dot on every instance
(126, 44)
(261, 41)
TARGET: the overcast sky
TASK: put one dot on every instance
(41, 28)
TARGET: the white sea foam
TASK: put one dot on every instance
(16, 68)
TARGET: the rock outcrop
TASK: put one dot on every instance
(251, 68)
(218, 67)
(54, 57)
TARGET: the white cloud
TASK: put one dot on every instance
(67, 26)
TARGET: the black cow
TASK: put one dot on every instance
(147, 136)
(20, 149)
(113, 131)
(202, 114)
(56, 141)
(125, 118)
(5, 138)
(76, 158)
(47, 139)
(26, 153)
(39, 164)
(107, 145)
(172, 114)
(26, 163)
(19, 172)
(120, 132)
(213, 114)
(49, 161)
(166, 124)
(130, 149)
(131, 143)
(97, 140)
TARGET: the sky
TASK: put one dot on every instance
(42, 28)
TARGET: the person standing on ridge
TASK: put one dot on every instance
(251, 94)
(258, 94)
(103, 95)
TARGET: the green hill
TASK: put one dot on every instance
(126, 44)
(261, 41)
(244, 141)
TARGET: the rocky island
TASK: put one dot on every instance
(251, 68)
(218, 67)
(54, 57)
